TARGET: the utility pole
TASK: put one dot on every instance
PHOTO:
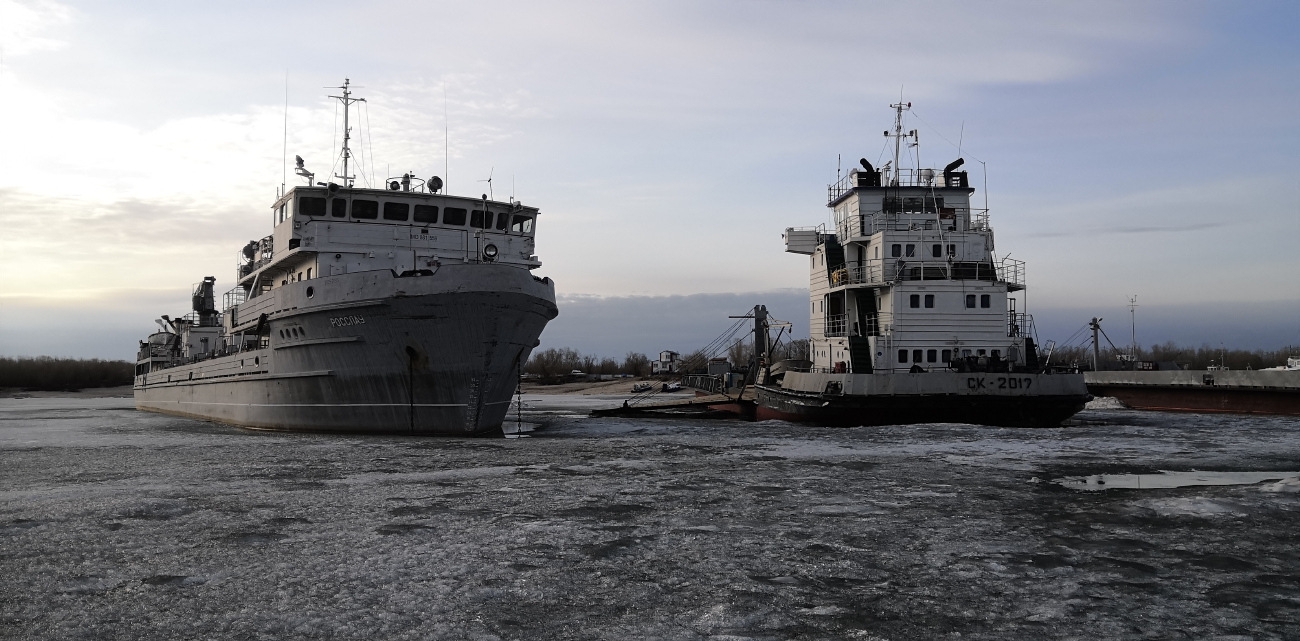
(1132, 312)
(1096, 347)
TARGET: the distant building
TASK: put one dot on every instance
(669, 363)
(719, 366)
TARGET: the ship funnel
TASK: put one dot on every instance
(866, 165)
(952, 166)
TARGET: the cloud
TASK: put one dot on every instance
(24, 25)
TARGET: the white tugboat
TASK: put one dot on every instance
(914, 318)
(393, 309)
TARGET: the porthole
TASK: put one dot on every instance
(311, 291)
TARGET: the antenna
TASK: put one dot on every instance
(488, 180)
(347, 101)
(284, 154)
(446, 143)
(960, 137)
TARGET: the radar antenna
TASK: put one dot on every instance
(347, 101)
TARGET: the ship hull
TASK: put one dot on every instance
(1233, 392)
(847, 400)
(373, 353)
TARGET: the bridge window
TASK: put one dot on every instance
(916, 356)
(952, 250)
(997, 353)
(932, 356)
(397, 211)
(339, 208)
(902, 356)
(897, 251)
(481, 219)
(365, 209)
(891, 205)
(426, 213)
(911, 205)
(970, 301)
(929, 301)
(936, 251)
(933, 204)
(984, 301)
(503, 221)
(523, 224)
(911, 251)
(453, 216)
(916, 300)
(946, 356)
(311, 206)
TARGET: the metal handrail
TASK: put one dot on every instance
(836, 325)
(895, 178)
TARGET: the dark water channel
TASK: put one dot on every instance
(120, 525)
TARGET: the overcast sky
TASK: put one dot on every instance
(1131, 148)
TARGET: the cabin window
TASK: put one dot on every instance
(481, 219)
(932, 356)
(946, 355)
(896, 251)
(929, 301)
(311, 206)
(879, 302)
(997, 353)
(522, 224)
(984, 301)
(965, 353)
(308, 275)
(397, 211)
(891, 205)
(911, 205)
(933, 204)
(339, 208)
(980, 352)
(365, 209)
(916, 356)
(453, 216)
(503, 221)
(915, 301)
(902, 356)
(970, 301)
(426, 214)
(911, 251)
(952, 250)
(877, 252)
(936, 251)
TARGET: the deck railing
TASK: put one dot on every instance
(896, 178)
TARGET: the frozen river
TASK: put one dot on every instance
(116, 524)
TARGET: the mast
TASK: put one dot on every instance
(347, 101)
(898, 134)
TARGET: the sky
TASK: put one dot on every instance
(1130, 149)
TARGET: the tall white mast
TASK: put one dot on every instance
(898, 134)
(347, 101)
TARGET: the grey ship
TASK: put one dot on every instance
(392, 310)
(913, 316)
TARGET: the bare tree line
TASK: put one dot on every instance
(1193, 357)
(554, 363)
